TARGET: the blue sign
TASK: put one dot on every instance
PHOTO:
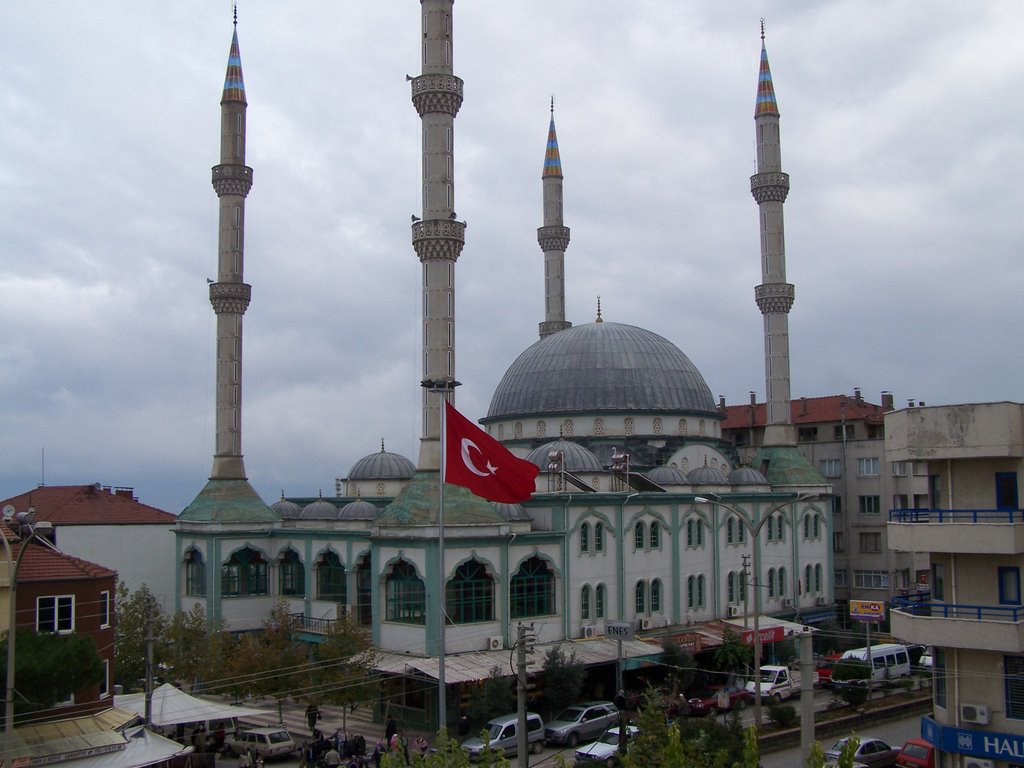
(967, 741)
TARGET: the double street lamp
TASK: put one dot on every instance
(23, 522)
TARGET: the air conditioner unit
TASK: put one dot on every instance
(978, 762)
(821, 601)
(734, 610)
(787, 602)
(645, 622)
(976, 714)
(589, 632)
(495, 643)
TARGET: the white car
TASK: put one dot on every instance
(604, 751)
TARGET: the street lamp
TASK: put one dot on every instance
(755, 530)
(25, 521)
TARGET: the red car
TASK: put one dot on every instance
(824, 669)
(710, 700)
(916, 753)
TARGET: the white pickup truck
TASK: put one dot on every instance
(777, 682)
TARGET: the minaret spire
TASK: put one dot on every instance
(553, 237)
(229, 295)
(774, 295)
(438, 238)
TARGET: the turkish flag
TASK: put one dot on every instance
(475, 460)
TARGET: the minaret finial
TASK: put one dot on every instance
(235, 13)
(762, 29)
(599, 320)
(552, 105)
(382, 445)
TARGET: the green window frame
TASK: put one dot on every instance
(656, 596)
(585, 538)
(638, 536)
(532, 591)
(291, 574)
(331, 579)
(405, 595)
(599, 595)
(640, 597)
(469, 594)
(244, 574)
(599, 537)
(195, 574)
(655, 535)
(585, 602)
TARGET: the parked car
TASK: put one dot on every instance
(824, 669)
(776, 682)
(604, 751)
(916, 753)
(709, 700)
(501, 734)
(266, 742)
(873, 752)
(581, 722)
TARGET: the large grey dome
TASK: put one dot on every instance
(382, 466)
(575, 456)
(288, 510)
(706, 476)
(601, 367)
(320, 509)
(360, 509)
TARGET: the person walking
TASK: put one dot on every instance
(390, 729)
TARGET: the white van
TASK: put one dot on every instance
(888, 660)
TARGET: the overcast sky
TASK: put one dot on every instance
(901, 131)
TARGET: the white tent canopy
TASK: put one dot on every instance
(172, 707)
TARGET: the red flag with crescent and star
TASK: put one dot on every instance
(475, 460)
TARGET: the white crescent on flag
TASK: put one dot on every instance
(468, 461)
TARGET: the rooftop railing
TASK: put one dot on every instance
(1008, 613)
(956, 515)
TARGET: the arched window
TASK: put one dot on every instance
(771, 583)
(817, 526)
(730, 533)
(655, 535)
(779, 530)
(771, 530)
(807, 526)
(291, 574)
(532, 592)
(700, 591)
(585, 602)
(656, 596)
(741, 531)
(808, 576)
(245, 573)
(782, 582)
(700, 427)
(599, 601)
(640, 595)
(585, 537)
(567, 428)
(406, 595)
(691, 593)
(331, 581)
(817, 578)
(638, 536)
(195, 574)
(469, 594)
(730, 583)
(599, 537)
(682, 426)
(689, 533)
(364, 592)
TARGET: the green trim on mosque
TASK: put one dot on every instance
(228, 501)
(785, 465)
(416, 504)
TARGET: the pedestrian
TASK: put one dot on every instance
(463, 727)
(421, 745)
(312, 715)
(243, 759)
(332, 759)
(390, 729)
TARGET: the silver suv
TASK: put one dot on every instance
(581, 722)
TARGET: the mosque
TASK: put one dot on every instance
(641, 513)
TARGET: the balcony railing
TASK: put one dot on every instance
(311, 624)
(1008, 613)
(956, 515)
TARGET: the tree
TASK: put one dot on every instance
(563, 679)
(50, 668)
(343, 669)
(733, 655)
(849, 680)
(134, 610)
(196, 652)
(492, 697)
(682, 670)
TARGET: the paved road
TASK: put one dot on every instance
(894, 732)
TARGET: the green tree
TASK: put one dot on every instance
(134, 610)
(195, 651)
(447, 754)
(563, 679)
(682, 670)
(709, 745)
(733, 655)
(492, 697)
(343, 665)
(50, 668)
(849, 678)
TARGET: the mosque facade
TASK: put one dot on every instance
(642, 513)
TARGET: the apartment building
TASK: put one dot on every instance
(973, 534)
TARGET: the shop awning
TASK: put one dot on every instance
(171, 706)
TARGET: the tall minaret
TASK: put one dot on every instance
(438, 238)
(230, 295)
(774, 296)
(553, 237)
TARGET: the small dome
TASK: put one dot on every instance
(576, 457)
(288, 510)
(665, 475)
(706, 476)
(382, 466)
(358, 510)
(746, 476)
(319, 510)
(512, 512)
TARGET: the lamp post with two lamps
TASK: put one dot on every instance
(755, 529)
(24, 521)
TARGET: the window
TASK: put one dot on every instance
(771, 530)
(655, 535)
(838, 545)
(807, 434)
(690, 591)
(640, 595)
(870, 542)
(869, 505)
(840, 577)
(585, 538)
(818, 580)
(694, 533)
(585, 602)
(939, 678)
(195, 574)
(55, 614)
(808, 578)
(656, 596)
(900, 501)
(627, 426)
(939, 581)
(105, 679)
(469, 594)
(638, 536)
(245, 573)
(730, 584)
(741, 531)
(867, 467)
(291, 574)
(730, 533)
(1006, 490)
(807, 526)
(771, 583)
(1013, 668)
(599, 601)
(831, 467)
(700, 591)
(899, 469)
(871, 579)
(104, 609)
(331, 579)
(779, 532)
(782, 582)
(816, 526)
(599, 537)
(532, 592)
(364, 592)
(1009, 585)
(405, 595)
(841, 430)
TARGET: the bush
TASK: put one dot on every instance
(783, 715)
(849, 680)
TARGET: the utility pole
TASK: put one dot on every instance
(524, 638)
(149, 659)
(806, 695)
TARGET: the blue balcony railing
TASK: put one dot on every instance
(1008, 613)
(956, 515)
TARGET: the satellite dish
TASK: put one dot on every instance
(8, 512)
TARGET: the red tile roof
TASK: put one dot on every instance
(41, 563)
(807, 410)
(88, 505)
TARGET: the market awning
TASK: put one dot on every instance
(171, 706)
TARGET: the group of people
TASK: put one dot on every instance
(342, 751)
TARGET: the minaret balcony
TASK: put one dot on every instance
(438, 239)
(437, 93)
(774, 297)
(769, 187)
